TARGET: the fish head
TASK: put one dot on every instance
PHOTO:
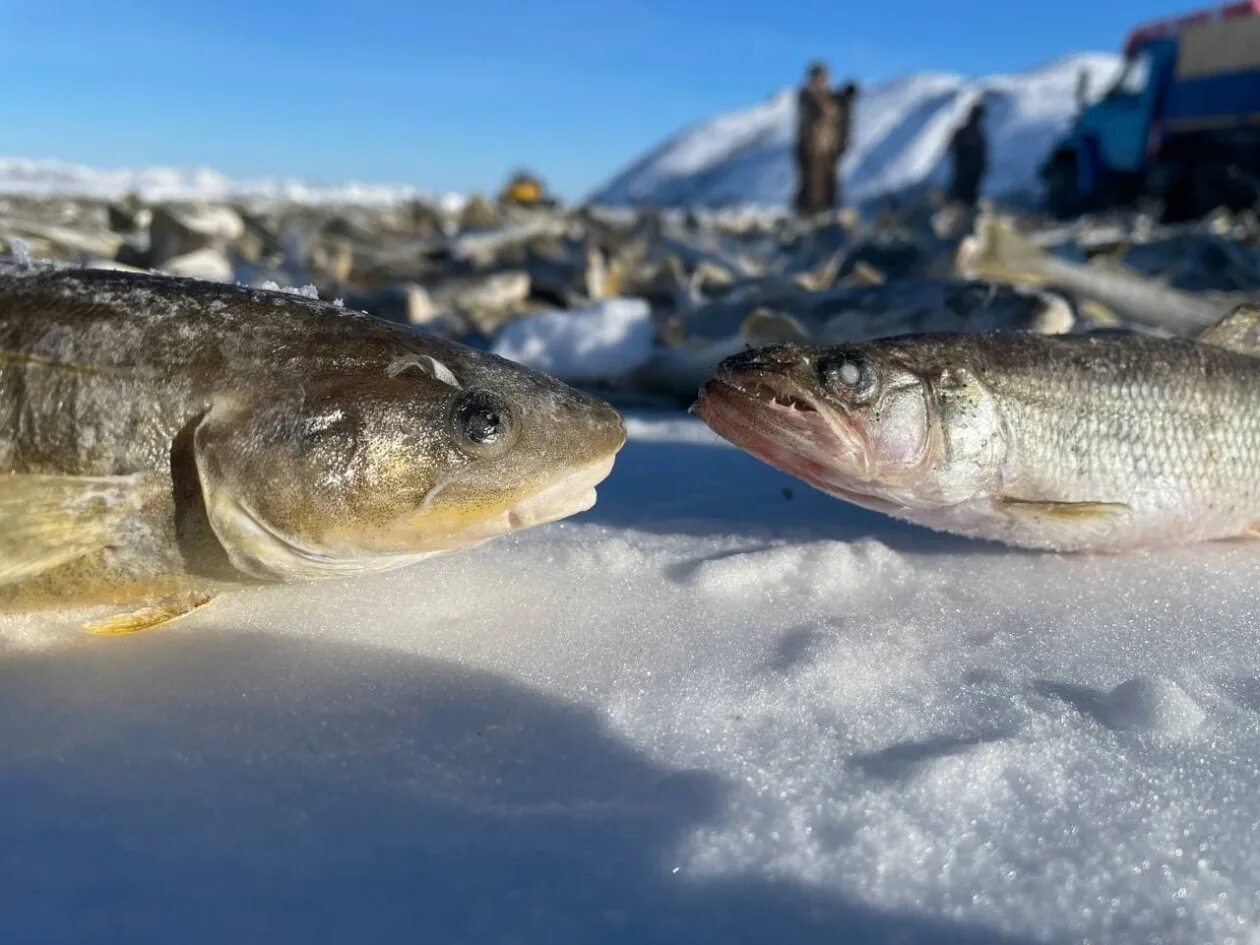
(884, 424)
(368, 470)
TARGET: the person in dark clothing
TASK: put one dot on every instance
(969, 154)
(822, 136)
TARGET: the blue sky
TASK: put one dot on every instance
(453, 95)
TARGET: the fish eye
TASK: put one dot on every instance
(483, 423)
(848, 376)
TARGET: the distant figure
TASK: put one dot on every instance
(822, 136)
(524, 189)
(969, 153)
(1082, 90)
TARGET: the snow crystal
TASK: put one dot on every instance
(584, 345)
(20, 250)
(719, 706)
(306, 291)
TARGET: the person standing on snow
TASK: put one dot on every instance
(822, 137)
(969, 156)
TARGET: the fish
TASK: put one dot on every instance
(998, 252)
(165, 440)
(1107, 441)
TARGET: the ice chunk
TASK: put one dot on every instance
(20, 250)
(582, 345)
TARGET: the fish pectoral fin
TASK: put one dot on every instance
(146, 618)
(1238, 331)
(1252, 530)
(46, 521)
(1063, 511)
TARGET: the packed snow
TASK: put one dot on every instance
(901, 132)
(718, 707)
(582, 345)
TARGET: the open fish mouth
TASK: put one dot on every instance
(775, 396)
(770, 417)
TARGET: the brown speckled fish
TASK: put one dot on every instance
(163, 439)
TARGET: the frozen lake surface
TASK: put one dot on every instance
(718, 707)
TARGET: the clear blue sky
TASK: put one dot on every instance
(454, 94)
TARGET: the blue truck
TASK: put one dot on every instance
(1180, 124)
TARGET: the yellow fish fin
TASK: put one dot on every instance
(46, 521)
(146, 618)
(1063, 511)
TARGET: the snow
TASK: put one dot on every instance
(308, 291)
(900, 136)
(718, 707)
(586, 345)
(50, 177)
(20, 250)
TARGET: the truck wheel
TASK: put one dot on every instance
(1063, 199)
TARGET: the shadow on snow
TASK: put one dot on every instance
(230, 787)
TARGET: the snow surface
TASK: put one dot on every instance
(50, 177)
(718, 707)
(900, 136)
(586, 345)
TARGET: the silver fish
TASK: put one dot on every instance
(1107, 441)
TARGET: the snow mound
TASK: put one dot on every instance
(900, 135)
(38, 177)
(717, 707)
(582, 345)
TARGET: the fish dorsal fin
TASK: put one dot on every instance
(52, 520)
(1237, 331)
(763, 326)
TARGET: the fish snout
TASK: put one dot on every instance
(770, 359)
(597, 429)
(609, 430)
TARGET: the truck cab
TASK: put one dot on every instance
(1187, 86)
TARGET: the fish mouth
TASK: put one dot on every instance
(568, 494)
(769, 394)
(772, 417)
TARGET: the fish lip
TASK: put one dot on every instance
(574, 488)
(814, 448)
(772, 388)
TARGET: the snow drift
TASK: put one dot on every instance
(581, 346)
(900, 134)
